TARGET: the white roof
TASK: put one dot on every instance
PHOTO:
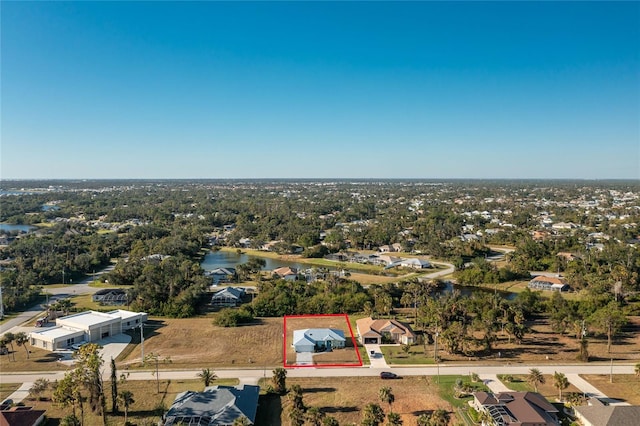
(87, 319)
(121, 313)
(53, 333)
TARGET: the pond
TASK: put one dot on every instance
(7, 227)
(231, 259)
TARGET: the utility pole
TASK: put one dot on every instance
(142, 341)
(611, 372)
(1, 305)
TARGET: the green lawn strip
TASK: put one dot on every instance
(446, 384)
(395, 355)
(516, 384)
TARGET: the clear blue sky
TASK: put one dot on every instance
(320, 90)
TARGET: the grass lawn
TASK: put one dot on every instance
(519, 384)
(395, 355)
(624, 387)
(7, 389)
(39, 360)
(148, 406)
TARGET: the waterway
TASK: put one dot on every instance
(231, 259)
(7, 227)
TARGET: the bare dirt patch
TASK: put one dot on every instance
(197, 342)
(345, 397)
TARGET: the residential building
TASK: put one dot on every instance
(110, 296)
(372, 331)
(516, 408)
(286, 273)
(318, 339)
(596, 413)
(542, 282)
(216, 406)
(88, 326)
(229, 296)
(22, 416)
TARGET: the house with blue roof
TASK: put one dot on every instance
(318, 339)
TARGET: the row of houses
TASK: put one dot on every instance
(385, 260)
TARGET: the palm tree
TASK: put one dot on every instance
(315, 416)
(373, 415)
(241, 421)
(637, 370)
(386, 395)
(560, 382)
(207, 376)
(126, 399)
(9, 338)
(439, 417)
(330, 421)
(535, 378)
(295, 395)
(279, 380)
(21, 340)
(394, 419)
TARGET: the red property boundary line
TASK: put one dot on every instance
(353, 341)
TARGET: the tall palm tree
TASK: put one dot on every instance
(126, 399)
(21, 340)
(9, 338)
(207, 376)
(386, 395)
(560, 382)
(314, 416)
(279, 380)
(535, 378)
(373, 415)
(394, 419)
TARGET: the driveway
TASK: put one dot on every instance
(377, 360)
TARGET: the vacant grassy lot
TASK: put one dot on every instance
(347, 355)
(147, 409)
(625, 387)
(345, 397)
(196, 342)
(39, 360)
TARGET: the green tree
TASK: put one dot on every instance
(637, 369)
(386, 396)
(560, 382)
(241, 421)
(87, 372)
(535, 378)
(373, 415)
(38, 388)
(315, 416)
(295, 396)
(114, 387)
(330, 421)
(207, 376)
(610, 320)
(70, 420)
(21, 340)
(279, 380)
(125, 397)
(394, 419)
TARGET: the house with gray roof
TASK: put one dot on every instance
(516, 408)
(216, 406)
(318, 339)
(596, 413)
(229, 296)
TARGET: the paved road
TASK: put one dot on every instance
(54, 293)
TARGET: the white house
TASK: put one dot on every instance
(415, 263)
(88, 326)
(230, 296)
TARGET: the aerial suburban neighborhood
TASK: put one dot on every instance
(479, 309)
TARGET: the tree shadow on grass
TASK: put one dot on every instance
(269, 410)
(339, 409)
(318, 390)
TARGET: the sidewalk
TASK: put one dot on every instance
(21, 393)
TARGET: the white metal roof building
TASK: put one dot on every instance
(88, 326)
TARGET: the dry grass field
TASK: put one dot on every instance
(196, 342)
(344, 398)
(625, 387)
(348, 355)
(146, 410)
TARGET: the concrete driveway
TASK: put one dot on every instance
(377, 359)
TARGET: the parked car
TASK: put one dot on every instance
(77, 346)
(385, 375)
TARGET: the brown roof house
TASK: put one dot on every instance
(21, 416)
(542, 282)
(372, 331)
(596, 413)
(516, 408)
